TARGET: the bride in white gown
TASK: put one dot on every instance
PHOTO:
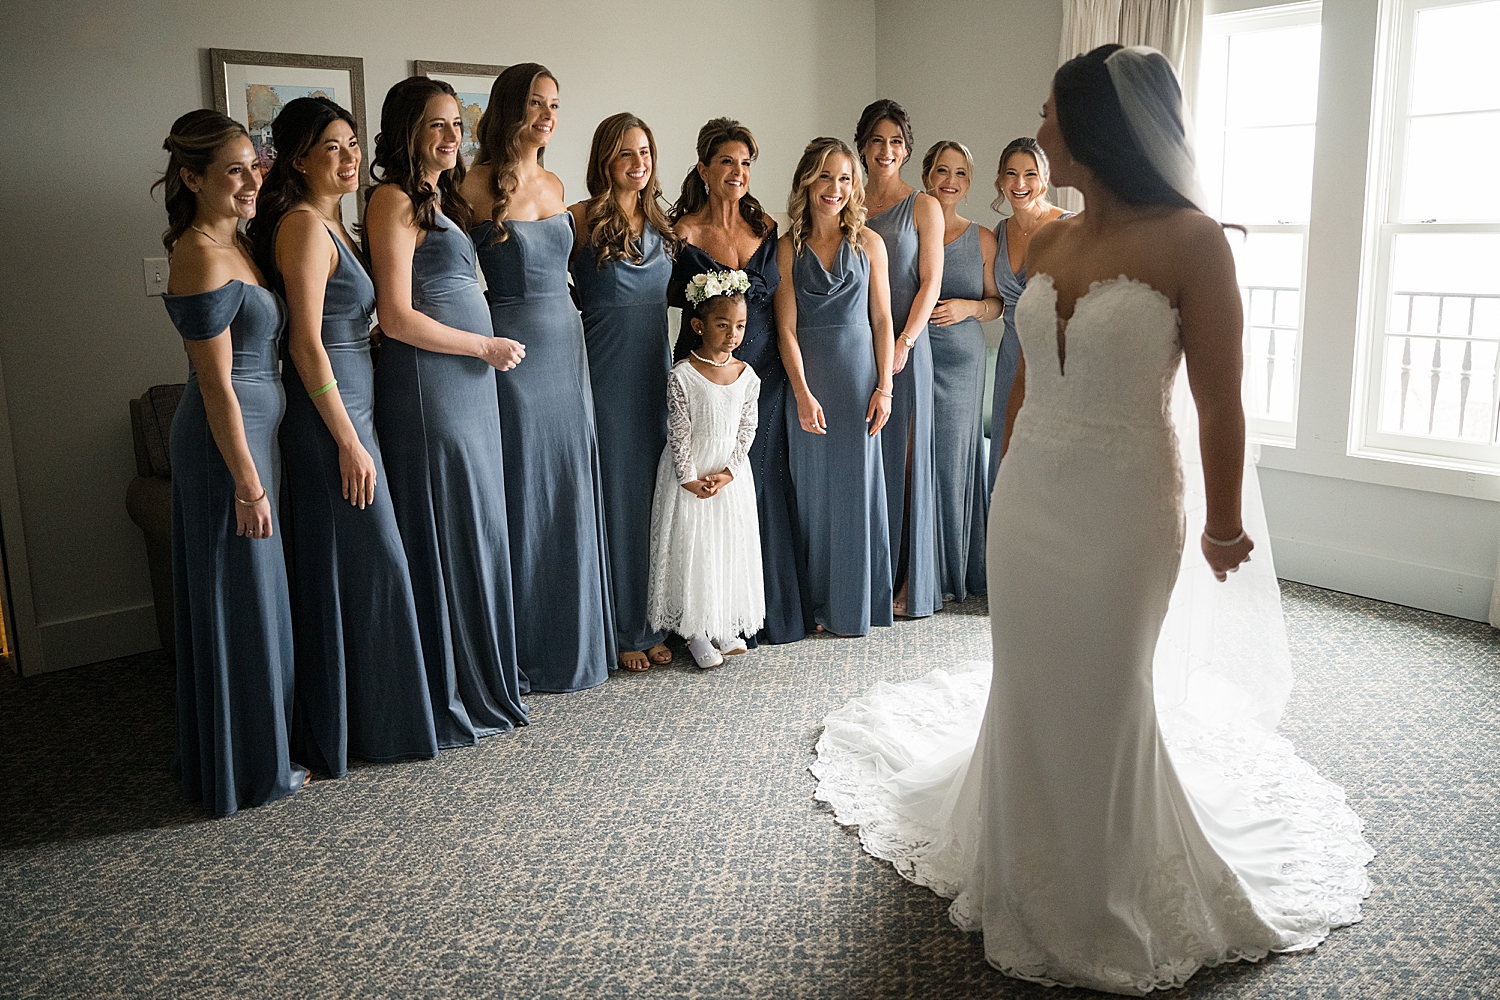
(1109, 804)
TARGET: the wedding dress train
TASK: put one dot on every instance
(1110, 804)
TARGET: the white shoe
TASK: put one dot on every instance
(734, 647)
(704, 653)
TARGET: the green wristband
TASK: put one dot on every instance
(318, 392)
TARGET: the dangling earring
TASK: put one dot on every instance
(705, 187)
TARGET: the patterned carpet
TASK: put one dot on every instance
(656, 837)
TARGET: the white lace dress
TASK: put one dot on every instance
(705, 554)
(1109, 803)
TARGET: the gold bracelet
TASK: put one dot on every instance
(251, 503)
(888, 395)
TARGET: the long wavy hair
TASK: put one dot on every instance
(605, 222)
(929, 159)
(1099, 136)
(714, 135)
(799, 206)
(1025, 144)
(883, 110)
(297, 129)
(500, 135)
(194, 141)
(397, 154)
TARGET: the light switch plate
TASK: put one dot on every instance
(154, 271)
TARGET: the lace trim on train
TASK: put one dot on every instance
(1325, 868)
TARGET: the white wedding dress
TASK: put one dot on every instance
(1109, 804)
(705, 577)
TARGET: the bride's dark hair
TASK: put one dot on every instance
(716, 133)
(1099, 136)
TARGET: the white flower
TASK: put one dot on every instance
(709, 284)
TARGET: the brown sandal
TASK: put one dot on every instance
(635, 661)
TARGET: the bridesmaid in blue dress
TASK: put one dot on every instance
(234, 636)
(958, 364)
(435, 414)
(911, 224)
(1021, 181)
(554, 495)
(722, 226)
(621, 265)
(361, 684)
(833, 315)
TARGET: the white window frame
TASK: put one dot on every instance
(1388, 121)
(1217, 29)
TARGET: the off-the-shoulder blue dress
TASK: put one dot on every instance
(233, 615)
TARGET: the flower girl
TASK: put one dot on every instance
(705, 582)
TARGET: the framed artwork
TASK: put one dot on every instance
(473, 82)
(253, 87)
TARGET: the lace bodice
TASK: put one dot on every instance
(1103, 379)
(703, 417)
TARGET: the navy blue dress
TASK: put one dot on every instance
(361, 684)
(963, 502)
(558, 551)
(233, 613)
(841, 502)
(435, 416)
(907, 437)
(788, 616)
(624, 307)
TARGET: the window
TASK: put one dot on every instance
(1428, 387)
(1257, 118)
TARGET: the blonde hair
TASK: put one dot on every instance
(929, 160)
(605, 225)
(798, 205)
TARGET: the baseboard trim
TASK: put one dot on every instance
(1430, 588)
(74, 642)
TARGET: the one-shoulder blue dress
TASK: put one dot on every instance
(436, 420)
(233, 614)
(1011, 285)
(624, 306)
(788, 617)
(910, 487)
(841, 503)
(361, 684)
(963, 502)
(558, 547)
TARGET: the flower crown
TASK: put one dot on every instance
(705, 286)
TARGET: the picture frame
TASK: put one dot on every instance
(473, 82)
(251, 87)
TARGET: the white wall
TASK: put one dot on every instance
(972, 70)
(92, 89)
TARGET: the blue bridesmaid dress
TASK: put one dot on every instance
(558, 552)
(907, 437)
(361, 685)
(233, 613)
(841, 502)
(963, 502)
(1011, 285)
(435, 416)
(624, 307)
(787, 609)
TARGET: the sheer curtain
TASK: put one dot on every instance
(1173, 26)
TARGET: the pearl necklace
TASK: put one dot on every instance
(716, 364)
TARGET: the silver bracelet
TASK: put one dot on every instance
(1210, 539)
